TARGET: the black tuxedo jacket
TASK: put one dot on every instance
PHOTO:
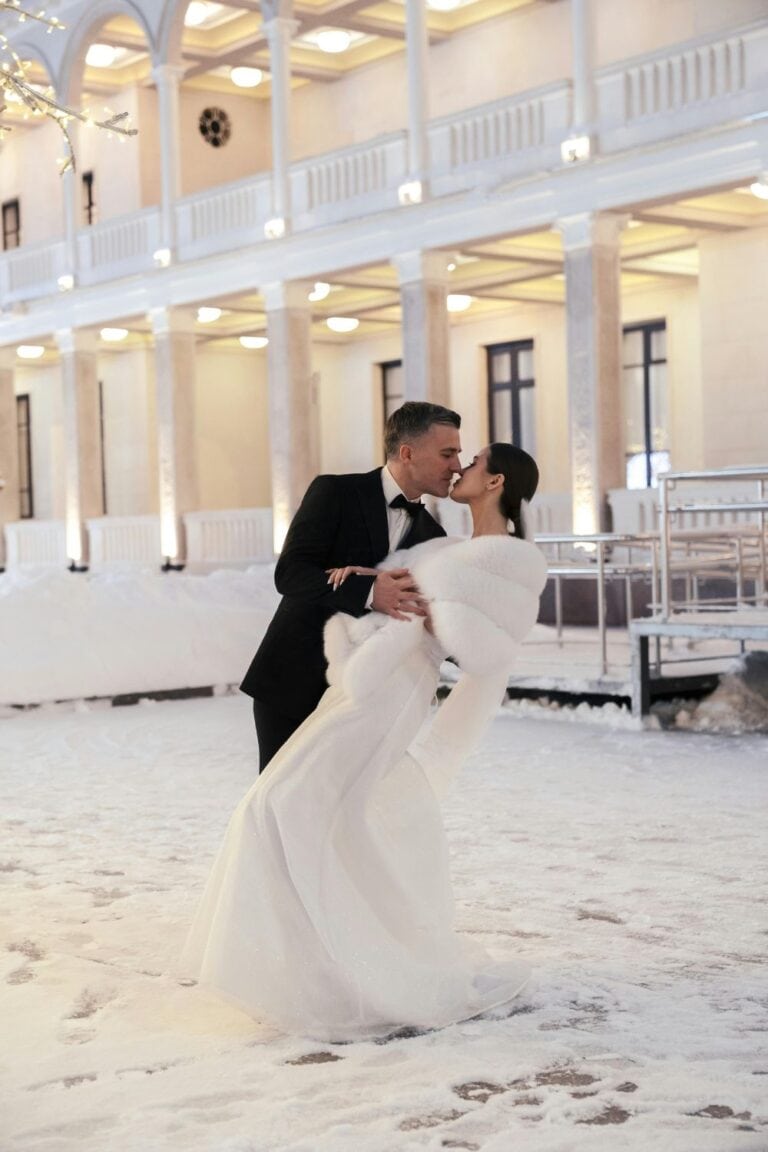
(342, 520)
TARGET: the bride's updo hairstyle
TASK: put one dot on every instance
(521, 479)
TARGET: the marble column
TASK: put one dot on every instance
(593, 325)
(168, 79)
(423, 278)
(417, 53)
(84, 466)
(9, 446)
(293, 413)
(173, 332)
(582, 39)
(279, 28)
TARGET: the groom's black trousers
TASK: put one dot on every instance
(272, 730)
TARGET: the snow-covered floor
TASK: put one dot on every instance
(628, 867)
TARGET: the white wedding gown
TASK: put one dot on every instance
(329, 909)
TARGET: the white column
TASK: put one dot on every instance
(279, 28)
(417, 52)
(82, 438)
(582, 40)
(168, 78)
(175, 403)
(423, 280)
(293, 417)
(9, 445)
(593, 322)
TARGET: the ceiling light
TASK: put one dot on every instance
(319, 292)
(760, 187)
(451, 267)
(254, 341)
(342, 323)
(207, 315)
(457, 302)
(30, 351)
(101, 55)
(444, 5)
(246, 77)
(197, 13)
(113, 335)
(333, 40)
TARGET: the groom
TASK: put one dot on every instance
(349, 519)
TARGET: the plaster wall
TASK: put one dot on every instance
(130, 432)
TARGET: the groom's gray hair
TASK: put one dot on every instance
(412, 420)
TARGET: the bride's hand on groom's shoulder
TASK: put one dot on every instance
(396, 594)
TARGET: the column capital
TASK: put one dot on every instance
(166, 321)
(421, 266)
(286, 294)
(168, 74)
(71, 340)
(591, 229)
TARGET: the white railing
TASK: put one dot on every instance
(223, 218)
(38, 543)
(124, 541)
(683, 89)
(501, 136)
(234, 536)
(352, 181)
(31, 271)
(119, 247)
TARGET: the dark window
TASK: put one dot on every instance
(392, 386)
(11, 224)
(26, 502)
(510, 394)
(89, 204)
(644, 377)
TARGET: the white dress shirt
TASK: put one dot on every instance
(398, 519)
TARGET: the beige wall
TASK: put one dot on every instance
(130, 432)
(626, 28)
(733, 290)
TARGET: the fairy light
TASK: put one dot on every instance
(16, 88)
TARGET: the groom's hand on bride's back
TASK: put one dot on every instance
(396, 594)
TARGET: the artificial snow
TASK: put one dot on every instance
(627, 867)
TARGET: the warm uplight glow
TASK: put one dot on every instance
(30, 351)
(254, 341)
(342, 323)
(457, 302)
(113, 335)
(274, 229)
(319, 292)
(66, 282)
(162, 257)
(197, 13)
(206, 315)
(244, 77)
(333, 40)
(101, 56)
(576, 149)
(411, 192)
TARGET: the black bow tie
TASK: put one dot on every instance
(412, 507)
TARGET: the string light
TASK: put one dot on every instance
(15, 87)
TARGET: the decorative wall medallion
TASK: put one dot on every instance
(215, 126)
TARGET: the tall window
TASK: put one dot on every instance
(11, 224)
(510, 393)
(392, 386)
(646, 437)
(89, 204)
(26, 503)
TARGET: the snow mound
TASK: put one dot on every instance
(738, 704)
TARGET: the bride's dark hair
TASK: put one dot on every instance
(521, 479)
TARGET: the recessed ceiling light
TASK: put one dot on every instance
(197, 13)
(760, 188)
(342, 323)
(457, 302)
(30, 351)
(444, 5)
(254, 341)
(113, 335)
(246, 77)
(333, 40)
(101, 55)
(319, 292)
(206, 315)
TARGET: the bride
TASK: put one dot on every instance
(329, 909)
